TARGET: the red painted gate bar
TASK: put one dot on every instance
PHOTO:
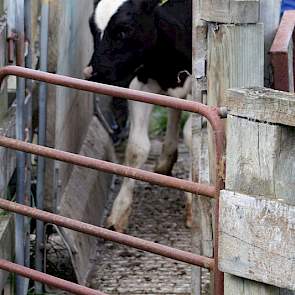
(280, 55)
(212, 114)
(163, 180)
(47, 279)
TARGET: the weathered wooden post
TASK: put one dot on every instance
(3, 60)
(7, 158)
(201, 219)
(257, 212)
(228, 52)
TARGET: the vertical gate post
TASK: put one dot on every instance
(235, 55)
(201, 219)
(260, 162)
(3, 60)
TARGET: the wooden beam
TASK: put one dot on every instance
(230, 11)
(257, 239)
(7, 156)
(262, 104)
(200, 224)
(3, 62)
(6, 243)
(235, 59)
(260, 157)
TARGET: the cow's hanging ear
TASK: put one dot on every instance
(149, 5)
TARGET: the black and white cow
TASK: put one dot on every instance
(145, 45)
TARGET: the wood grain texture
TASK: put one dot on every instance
(262, 104)
(257, 239)
(260, 161)
(230, 11)
(3, 62)
(7, 156)
(6, 243)
(235, 59)
(202, 218)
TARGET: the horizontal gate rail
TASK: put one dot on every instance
(155, 178)
(213, 115)
(110, 235)
(47, 279)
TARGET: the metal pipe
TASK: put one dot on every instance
(28, 121)
(39, 259)
(219, 138)
(110, 235)
(151, 98)
(20, 156)
(162, 180)
(279, 52)
(213, 115)
(47, 279)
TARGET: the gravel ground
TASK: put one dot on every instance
(158, 216)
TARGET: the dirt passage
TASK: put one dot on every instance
(157, 215)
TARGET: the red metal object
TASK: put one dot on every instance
(212, 114)
(47, 279)
(281, 53)
(108, 167)
(10, 41)
(106, 234)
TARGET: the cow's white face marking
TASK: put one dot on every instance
(104, 12)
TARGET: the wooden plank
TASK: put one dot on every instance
(3, 62)
(202, 219)
(235, 59)
(7, 156)
(262, 104)
(260, 159)
(6, 243)
(257, 239)
(230, 11)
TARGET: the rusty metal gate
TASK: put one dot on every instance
(213, 115)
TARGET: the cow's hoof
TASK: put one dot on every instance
(189, 222)
(118, 225)
(165, 166)
(114, 227)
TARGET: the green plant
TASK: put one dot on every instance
(159, 120)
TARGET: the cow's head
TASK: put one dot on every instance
(123, 32)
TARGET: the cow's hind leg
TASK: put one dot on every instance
(169, 151)
(137, 151)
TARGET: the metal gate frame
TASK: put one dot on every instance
(213, 115)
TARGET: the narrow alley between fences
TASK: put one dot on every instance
(158, 215)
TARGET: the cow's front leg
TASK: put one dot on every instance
(137, 151)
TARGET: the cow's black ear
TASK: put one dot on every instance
(149, 5)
